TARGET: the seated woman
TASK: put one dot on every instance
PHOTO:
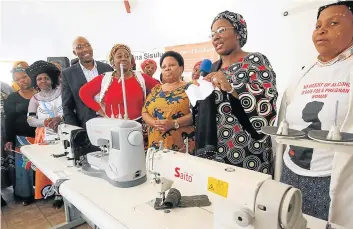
(167, 109)
(323, 176)
(109, 88)
(45, 113)
(149, 67)
(245, 89)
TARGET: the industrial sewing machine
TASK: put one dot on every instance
(241, 198)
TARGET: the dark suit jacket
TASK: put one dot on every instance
(75, 111)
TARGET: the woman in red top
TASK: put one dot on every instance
(108, 87)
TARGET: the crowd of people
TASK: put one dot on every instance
(225, 127)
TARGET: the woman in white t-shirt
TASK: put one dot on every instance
(310, 105)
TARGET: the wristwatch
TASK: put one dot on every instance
(176, 124)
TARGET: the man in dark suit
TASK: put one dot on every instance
(75, 112)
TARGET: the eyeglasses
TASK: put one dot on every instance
(81, 46)
(219, 31)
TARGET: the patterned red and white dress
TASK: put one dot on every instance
(255, 82)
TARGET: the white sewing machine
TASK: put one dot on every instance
(241, 198)
(121, 160)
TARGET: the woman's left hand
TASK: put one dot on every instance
(164, 125)
(218, 79)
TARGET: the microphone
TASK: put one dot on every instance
(205, 68)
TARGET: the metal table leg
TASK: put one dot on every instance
(72, 215)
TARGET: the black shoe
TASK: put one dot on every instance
(27, 202)
(3, 202)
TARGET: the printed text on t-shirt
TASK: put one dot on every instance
(322, 90)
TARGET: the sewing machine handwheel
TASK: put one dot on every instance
(135, 138)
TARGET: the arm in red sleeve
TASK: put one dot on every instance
(150, 82)
(89, 91)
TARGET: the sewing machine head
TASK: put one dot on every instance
(64, 132)
(122, 156)
(110, 134)
(241, 198)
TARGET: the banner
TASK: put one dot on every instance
(155, 55)
(192, 53)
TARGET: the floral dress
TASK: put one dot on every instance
(172, 105)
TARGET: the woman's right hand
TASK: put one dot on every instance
(8, 146)
(101, 113)
(207, 78)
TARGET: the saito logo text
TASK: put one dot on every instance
(182, 175)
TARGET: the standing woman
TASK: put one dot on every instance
(44, 112)
(22, 64)
(196, 71)
(229, 121)
(167, 108)
(324, 176)
(149, 67)
(19, 133)
(109, 88)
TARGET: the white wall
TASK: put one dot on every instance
(35, 30)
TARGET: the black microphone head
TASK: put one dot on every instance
(205, 67)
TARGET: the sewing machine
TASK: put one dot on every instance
(241, 198)
(121, 160)
(64, 132)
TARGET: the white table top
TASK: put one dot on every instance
(111, 207)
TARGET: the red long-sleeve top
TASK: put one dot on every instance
(114, 95)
